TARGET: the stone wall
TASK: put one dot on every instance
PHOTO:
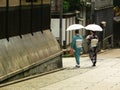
(29, 55)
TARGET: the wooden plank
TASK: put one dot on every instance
(21, 52)
(31, 55)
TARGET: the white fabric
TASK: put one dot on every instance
(88, 37)
(94, 42)
(79, 43)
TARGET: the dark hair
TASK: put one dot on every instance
(76, 31)
(93, 32)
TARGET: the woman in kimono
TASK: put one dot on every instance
(92, 41)
(76, 47)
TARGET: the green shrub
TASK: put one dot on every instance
(66, 6)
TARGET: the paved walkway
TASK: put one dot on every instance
(105, 76)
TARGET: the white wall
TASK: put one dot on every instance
(66, 35)
(55, 27)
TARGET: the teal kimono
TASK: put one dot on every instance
(77, 49)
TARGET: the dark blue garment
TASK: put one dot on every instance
(92, 50)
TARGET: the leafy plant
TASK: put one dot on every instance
(74, 5)
(71, 5)
(66, 6)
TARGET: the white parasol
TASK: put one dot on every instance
(93, 27)
(75, 27)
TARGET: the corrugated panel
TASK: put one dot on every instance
(105, 15)
(2, 22)
(13, 21)
(25, 19)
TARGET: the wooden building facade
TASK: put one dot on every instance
(18, 17)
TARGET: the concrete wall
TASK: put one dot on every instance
(2, 3)
(23, 2)
(29, 55)
(103, 3)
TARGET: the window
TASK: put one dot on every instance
(55, 5)
(31, 0)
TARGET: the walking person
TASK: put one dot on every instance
(92, 41)
(76, 47)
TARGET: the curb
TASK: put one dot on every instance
(30, 77)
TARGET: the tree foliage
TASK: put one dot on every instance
(74, 5)
(116, 3)
(66, 6)
(71, 5)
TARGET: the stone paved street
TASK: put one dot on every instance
(105, 76)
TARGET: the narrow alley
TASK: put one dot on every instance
(105, 76)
